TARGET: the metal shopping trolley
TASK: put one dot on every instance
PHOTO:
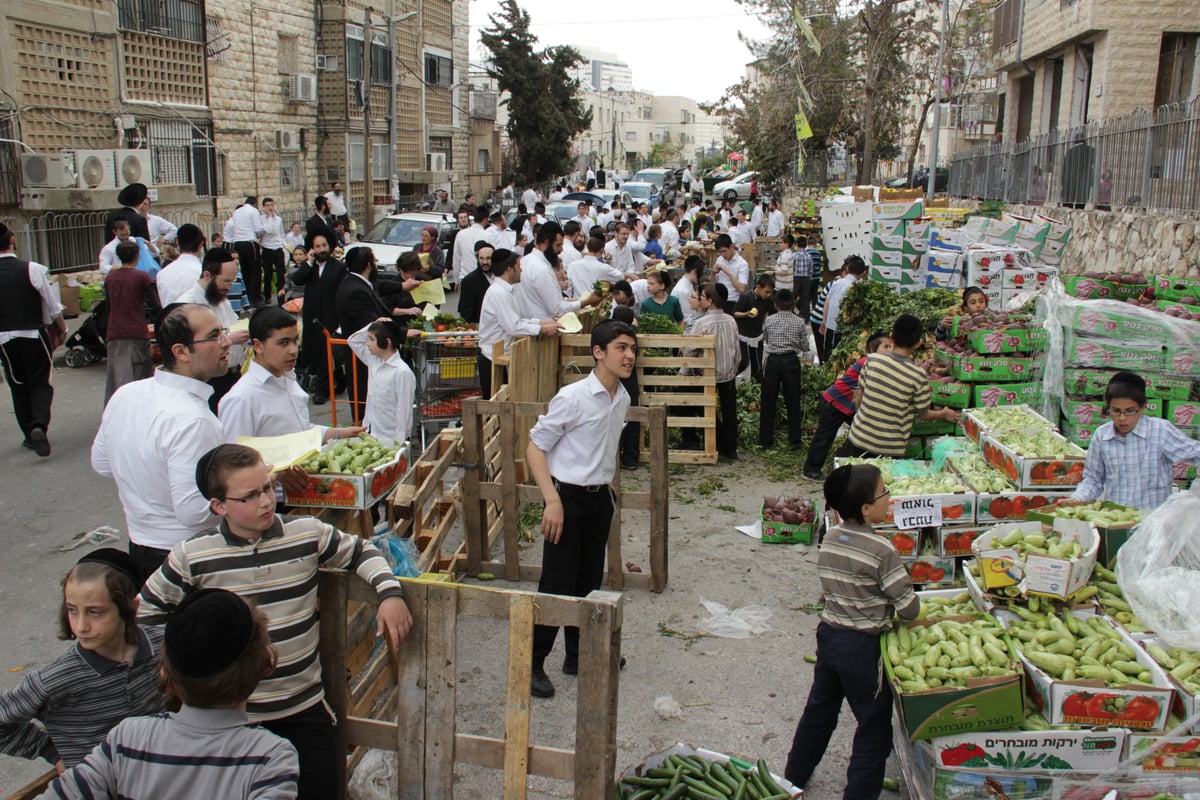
(446, 375)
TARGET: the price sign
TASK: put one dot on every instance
(917, 512)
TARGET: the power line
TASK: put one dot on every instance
(685, 18)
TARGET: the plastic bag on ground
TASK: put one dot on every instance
(1158, 569)
(741, 623)
(374, 778)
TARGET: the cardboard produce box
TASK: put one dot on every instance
(1187, 702)
(1152, 753)
(950, 395)
(1170, 287)
(952, 507)
(1137, 356)
(932, 427)
(931, 572)
(1008, 340)
(887, 258)
(918, 229)
(1095, 750)
(1123, 323)
(1087, 288)
(1059, 578)
(1033, 472)
(973, 423)
(1111, 537)
(882, 243)
(349, 490)
(889, 227)
(986, 703)
(790, 533)
(1001, 506)
(901, 209)
(996, 369)
(681, 749)
(1182, 413)
(955, 540)
(990, 395)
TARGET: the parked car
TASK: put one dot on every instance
(920, 180)
(397, 233)
(736, 188)
(599, 197)
(642, 193)
(655, 175)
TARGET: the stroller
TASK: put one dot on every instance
(86, 345)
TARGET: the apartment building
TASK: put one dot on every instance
(630, 124)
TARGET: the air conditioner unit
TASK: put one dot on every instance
(436, 162)
(134, 166)
(94, 169)
(287, 141)
(302, 88)
(46, 171)
(327, 63)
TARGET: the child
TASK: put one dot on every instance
(783, 264)
(893, 389)
(290, 291)
(785, 337)
(1130, 457)
(817, 317)
(62, 710)
(974, 301)
(685, 287)
(751, 311)
(658, 282)
(837, 407)
(571, 454)
(257, 554)
(855, 270)
(129, 292)
(391, 385)
(630, 452)
(217, 649)
(864, 583)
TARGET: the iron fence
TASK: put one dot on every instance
(1144, 160)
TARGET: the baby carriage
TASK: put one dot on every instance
(86, 345)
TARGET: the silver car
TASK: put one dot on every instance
(735, 188)
(398, 233)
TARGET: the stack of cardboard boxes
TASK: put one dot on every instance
(899, 241)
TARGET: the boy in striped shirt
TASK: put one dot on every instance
(893, 389)
(273, 561)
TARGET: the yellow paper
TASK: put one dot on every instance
(569, 323)
(240, 325)
(426, 260)
(281, 452)
(429, 312)
(429, 292)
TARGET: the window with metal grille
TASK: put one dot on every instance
(289, 55)
(176, 19)
(182, 152)
(441, 144)
(354, 52)
(289, 173)
(439, 70)
(485, 160)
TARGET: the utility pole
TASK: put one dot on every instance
(931, 177)
(612, 154)
(368, 183)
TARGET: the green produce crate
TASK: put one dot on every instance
(783, 533)
(1139, 324)
(989, 395)
(1094, 289)
(1169, 287)
(1009, 340)
(950, 395)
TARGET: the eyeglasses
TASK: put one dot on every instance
(1116, 412)
(224, 334)
(885, 493)
(269, 489)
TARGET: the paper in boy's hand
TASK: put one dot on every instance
(285, 451)
(240, 325)
(430, 311)
(569, 323)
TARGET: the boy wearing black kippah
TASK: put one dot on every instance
(216, 650)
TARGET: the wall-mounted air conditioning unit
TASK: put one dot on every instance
(95, 170)
(47, 171)
(435, 162)
(287, 141)
(302, 88)
(327, 63)
(134, 166)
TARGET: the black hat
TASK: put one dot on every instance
(502, 259)
(133, 194)
(119, 560)
(208, 631)
(497, 215)
(203, 474)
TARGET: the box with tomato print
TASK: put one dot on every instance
(955, 540)
(930, 572)
(1095, 750)
(1004, 561)
(1000, 506)
(957, 507)
(1061, 470)
(351, 490)
(1164, 753)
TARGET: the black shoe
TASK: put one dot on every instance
(39, 443)
(539, 683)
(813, 476)
(28, 445)
(633, 465)
(320, 399)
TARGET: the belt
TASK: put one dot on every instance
(595, 488)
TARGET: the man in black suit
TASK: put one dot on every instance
(320, 222)
(135, 205)
(358, 305)
(470, 300)
(320, 276)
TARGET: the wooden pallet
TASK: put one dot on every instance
(421, 506)
(410, 709)
(494, 487)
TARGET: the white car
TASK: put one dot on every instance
(397, 233)
(736, 188)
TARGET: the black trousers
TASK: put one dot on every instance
(247, 253)
(148, 559)
(483, 365)
(273, 267)
(781, 372)
(575, 565)
(825, 343)
(311, 733)
(802, 287)
(848, 450)
(727, 424)
(222, 385)
(751, 355)
(631, 435)
(829, 420)
(27, 372)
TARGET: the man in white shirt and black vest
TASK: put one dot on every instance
(572, 454)
(27, 307)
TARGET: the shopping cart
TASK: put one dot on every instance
(446, 375)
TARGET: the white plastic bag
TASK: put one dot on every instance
(738, 624)
(374, 778)
(1159, 570)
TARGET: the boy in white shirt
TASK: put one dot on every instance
(391, 385)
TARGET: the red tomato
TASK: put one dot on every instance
(1001, 508)
(1076, 705)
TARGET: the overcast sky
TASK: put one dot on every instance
(689, 49)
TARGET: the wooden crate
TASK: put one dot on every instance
(494, 487)
(405, 701)
(422, 507)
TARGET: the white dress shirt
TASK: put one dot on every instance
(108, 253)
(464, 250)
(225, 315)
(585, 222)
(641, 290)
(500, 318)
(178, 278)
(293, 240)
(337, 203)
(505, 239)
(775, 223)
(627, 258)
(683, 290)
(742, 233)
(833, 300)
(227, 230)
(160, 228)
(151, 435)
(584, 273)
(647, 219)
(670, 236)
(260, 404)
(530, 198)
(391, 387)
(756, 217)
(738, 267)
(581, 431)
(245, 224)
(539, 292)
(603, 219)
(569, 255)
(272, 231)
(39, 278)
